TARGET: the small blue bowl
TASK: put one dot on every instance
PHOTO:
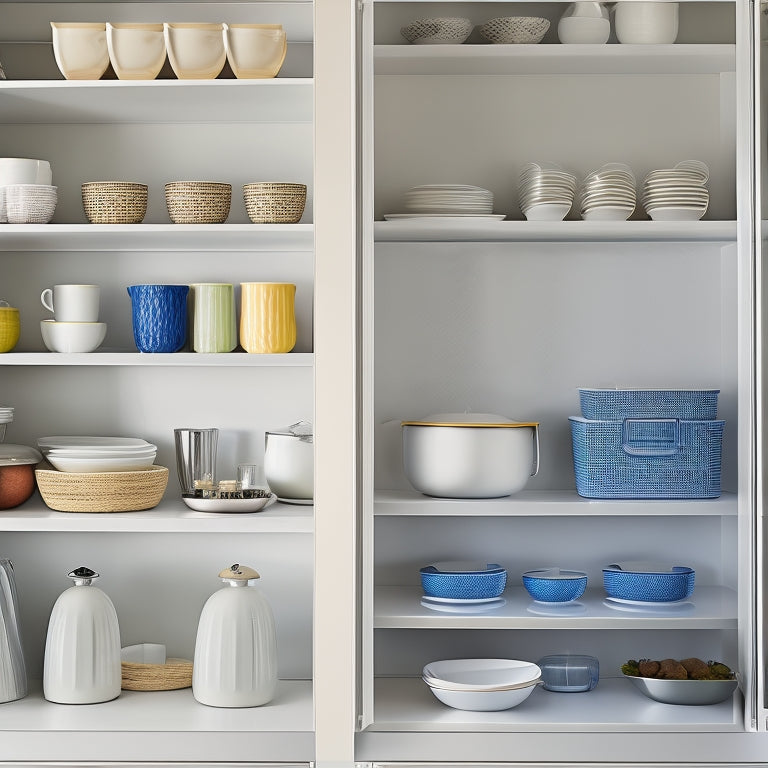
(648, 582)
(555, 585)
(463, 581)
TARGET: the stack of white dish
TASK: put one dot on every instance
(481, 685)
(546, 192)
(608, 194)
(677, 194)
(445, 200)
(75, 453)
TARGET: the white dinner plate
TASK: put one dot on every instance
(464, 218)
(98, 443)
(231, 506)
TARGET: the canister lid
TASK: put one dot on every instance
(301, 429)
(238, 572)
(11, 455)
(469, 420)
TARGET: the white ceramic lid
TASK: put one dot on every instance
(468, 420)
(18, 454)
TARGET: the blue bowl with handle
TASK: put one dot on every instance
(463, 580)
(648, 582)
(555, 585)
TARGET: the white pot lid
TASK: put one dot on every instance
(468, 420)
(18, 454)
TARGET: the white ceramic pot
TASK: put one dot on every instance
(584, 22)
(24, 170)
(136, 51)
(236, 648)
(80, 49)
(289, 462)
(82, 648)
(644, 23)
(470, 456)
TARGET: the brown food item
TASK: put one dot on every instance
(697, 669)
(669, 669)
(648, 668)
(17, 484)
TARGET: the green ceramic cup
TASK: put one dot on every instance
(214, 325)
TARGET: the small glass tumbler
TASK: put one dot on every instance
(250, 477)
(195, 456)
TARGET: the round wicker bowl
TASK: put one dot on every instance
(174, 674)
(114, 202)
(275, 202)
(198, 202)
(102, 491)
(514, 29)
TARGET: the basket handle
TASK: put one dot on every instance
(636, 441)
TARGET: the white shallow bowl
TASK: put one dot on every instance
(484, 701)
(94, 442)
(124, 464)
(195, 51)
(691, 692)
(547, 212)
(80, 49)
(255, 51)
(137, 51)
(229, 506)
(72, 337)
(481, 674)
(607, 213)
(676, 214)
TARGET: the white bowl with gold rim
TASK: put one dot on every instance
(470, 455)
(80, 49)
(195, 50)
(136, 51)
(255, 51)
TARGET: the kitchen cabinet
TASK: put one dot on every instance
(512, 317)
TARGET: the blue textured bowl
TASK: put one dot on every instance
(463, 584)
(159, 314)
(648, 583)
(554, 585)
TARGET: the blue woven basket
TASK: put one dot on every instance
(615, 404)
(676, 584)
(647, 458)
(470, 585)
(547, 586)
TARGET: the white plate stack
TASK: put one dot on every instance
(447, 200)
(608, 194)
(677, 194)
(546, 192)
(75, 453)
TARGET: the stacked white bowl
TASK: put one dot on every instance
(448, 200)
(608, 194)
(546, 192)
(678, 193)
(27, 195)
(76, 453)
(481, 685)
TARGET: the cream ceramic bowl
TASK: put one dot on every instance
(255, 50)
(23, 170)
(195, 51)
(80, 49)
(646, 23)
(470, 455)
(137, 51)
(72, 337)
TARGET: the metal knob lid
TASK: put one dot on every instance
(83, 576)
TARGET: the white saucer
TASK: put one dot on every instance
(460, 600)
(638, 606)
(468, 606)
(229, 505)
(302, 502)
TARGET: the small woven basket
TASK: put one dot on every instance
(102, 491)
(275, 202)
(515, 29)
(174, 674)
(30, 203)
(198, 202)
(114, 202)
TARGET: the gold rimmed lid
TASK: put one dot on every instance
(485, 420)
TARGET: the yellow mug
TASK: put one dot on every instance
(10, 327)
(267, 317)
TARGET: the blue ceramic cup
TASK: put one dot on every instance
(159, 317)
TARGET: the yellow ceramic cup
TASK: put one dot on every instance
(10, 327)
(267, 317)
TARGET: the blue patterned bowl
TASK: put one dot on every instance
(159, 317)
(555, 585)
(463, 581)
(648, 582)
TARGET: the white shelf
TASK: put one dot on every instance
(170, 516)
(156, 237)
(160, 725)
(156, 359)
(407, 704)
(708, 608)
(548, 503)
(553, 59)
(420, 230)
(279, 100)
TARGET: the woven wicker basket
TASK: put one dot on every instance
(30, 203)
(275, 202)
(174, 674)
(114, 202)
(198, 202)
(102, 491)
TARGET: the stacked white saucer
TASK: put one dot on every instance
(76, 453)
(608, 194)
(448, 200)
(546, 192)
(678, 193)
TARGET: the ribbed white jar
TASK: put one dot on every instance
(82, 649)
(236, 648)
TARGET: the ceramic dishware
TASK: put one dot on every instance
(255, 51)
(30, 203)
(267, 317)
(554, 585)
(642, 23)
(22, 170)
(72, 337)
(159, 317)
(72, 303)
(289, 462)
(584, 23)
(136, 51)
(195, 50)
(440, 30)
(13, 681)
(685, 692)
(195, 457)
(214, 322)
(80, 49)
(10, 326)
(517, 30)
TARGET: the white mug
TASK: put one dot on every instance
(72, 303)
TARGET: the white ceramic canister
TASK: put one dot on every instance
(235, 661)
(82, 649)
(289, 461)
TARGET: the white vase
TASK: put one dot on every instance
(82, 649)
(236, 648)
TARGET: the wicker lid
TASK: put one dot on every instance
(238, 573)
